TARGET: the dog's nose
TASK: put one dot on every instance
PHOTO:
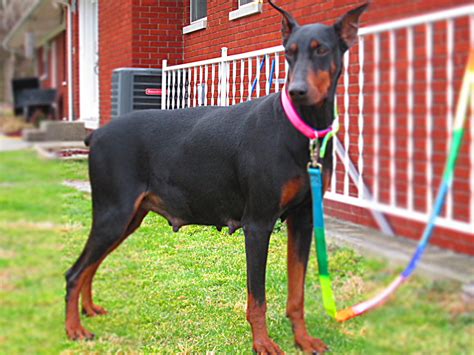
(298, 92)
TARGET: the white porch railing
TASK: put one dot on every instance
(227, 80)
(397, 97)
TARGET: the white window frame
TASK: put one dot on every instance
(89, 97)
(196, 25)
(251, 8)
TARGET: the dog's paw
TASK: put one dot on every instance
(93, 310)
(266, 346)
(311, 345)
(79, 333)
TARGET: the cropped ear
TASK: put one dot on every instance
(288, 22)
(346, 27)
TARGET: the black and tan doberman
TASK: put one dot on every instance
(239, 166)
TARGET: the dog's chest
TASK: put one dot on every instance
(293, 191)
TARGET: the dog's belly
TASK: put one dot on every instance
(182, 207)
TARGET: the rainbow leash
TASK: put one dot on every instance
(329, 302)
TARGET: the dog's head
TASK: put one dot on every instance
(314, 54)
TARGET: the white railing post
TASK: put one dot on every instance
(360, 160)
(391, 123)
(223, 78)
(164, 88)
(346, 122)
(429, 116)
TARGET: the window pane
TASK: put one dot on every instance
(243, 2)
(199, 9)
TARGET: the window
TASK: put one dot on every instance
(198, 16)
(198, 10)
(246, 8)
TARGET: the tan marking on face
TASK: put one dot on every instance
(290, 190)
(333, 68)
(314, 44)
(319, 83)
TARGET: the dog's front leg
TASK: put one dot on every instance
(257, 238)
(300, 228)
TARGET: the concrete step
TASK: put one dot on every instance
(59, 131)
(33, 135)
(63, 131)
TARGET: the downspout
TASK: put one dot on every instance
(71, 9)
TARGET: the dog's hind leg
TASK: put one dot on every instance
(257, 238)
(111, 225)
(300, 229)
(88, 307)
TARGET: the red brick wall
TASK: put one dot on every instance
(60, 72)
(115, 46)
(263, 30)
(137, 33)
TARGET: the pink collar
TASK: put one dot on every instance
(297, 121)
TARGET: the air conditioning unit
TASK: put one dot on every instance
(135, 89)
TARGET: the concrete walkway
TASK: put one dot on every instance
(12, 143)
(436, 262)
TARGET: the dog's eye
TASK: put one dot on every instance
(321, 50)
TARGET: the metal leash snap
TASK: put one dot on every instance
(314, 153)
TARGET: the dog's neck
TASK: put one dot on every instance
(318, 116)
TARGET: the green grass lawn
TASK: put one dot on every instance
(185, 292)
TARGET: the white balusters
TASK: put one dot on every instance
(429, 116)
(391, 118)
(195, 84)
(234, 75)
(242, 75)
(277, 72)
(346, 123)
(250, 78)
(164, 86)
(213, 87)
(189, 87)
(267, 74)
(257, 77)
(376, 137)
(449, 103)
(410, 137)
(178, 89)
(205, 88)
(360, 160)
(173, 91)
(199, 86)
(227, 97)
(224, 78)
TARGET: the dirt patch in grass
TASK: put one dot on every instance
(39, 226)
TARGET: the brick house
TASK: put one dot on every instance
(79, 43)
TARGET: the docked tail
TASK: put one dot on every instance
(87, 140)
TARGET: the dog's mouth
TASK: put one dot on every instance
(315, 99)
